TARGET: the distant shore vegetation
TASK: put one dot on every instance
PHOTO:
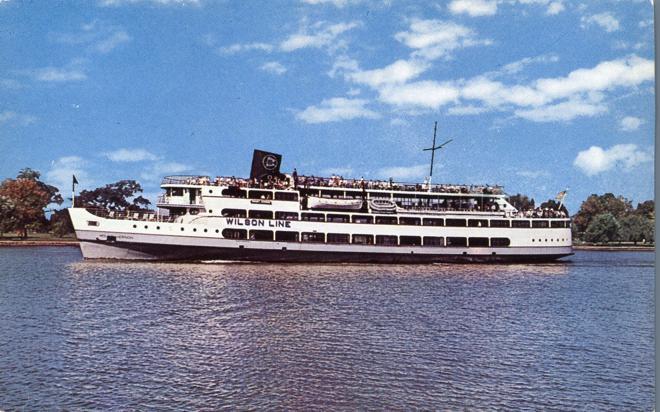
(31, 206)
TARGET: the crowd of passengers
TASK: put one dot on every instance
(295, 181)
(540, 212)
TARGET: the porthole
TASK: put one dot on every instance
(182, 229)
(546, 240)
(195, 229)
(217, 231)
(157, 227)
(210, 210)
(210, 191)
(134, 226)
(532, 240)
(146, 227)
(206, 230)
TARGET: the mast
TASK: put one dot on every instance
(433, 148)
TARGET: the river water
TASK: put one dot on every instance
(160, 336)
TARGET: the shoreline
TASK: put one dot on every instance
(75, 243)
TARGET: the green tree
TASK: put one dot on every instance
(521, 202)
(646, 209)
(554, 205)
(7, 220)
(599, 204)
(636, 228)
(60, 223)
(115, 196)
(603, 228)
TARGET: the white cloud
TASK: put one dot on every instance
(130, 155)
(555, 7)
(403, 172)
(473, 8)
(433, 39)
(630, 123)
(398, 72)
(605, 20)
(274, 67)
(62, 170)
(114, 40)
(562, 112)
(607, 75)
(343, 64)
(58, 74)
(426, 94)
(156, 171)
(336, 109)
(319, 36)
(337, 3)
(10, 117)
(237, 48)
(533, 174)
(339, 171)
(518, 65)
(466, 110)
(596, 160)
(156, 2)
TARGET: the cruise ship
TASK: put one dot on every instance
(286, 217)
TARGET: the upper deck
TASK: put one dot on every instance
(336, 184)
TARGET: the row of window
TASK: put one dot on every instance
(258, 194)
(393, 220)
(363, 239)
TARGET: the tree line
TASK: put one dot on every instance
(29, 204)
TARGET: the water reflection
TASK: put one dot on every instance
(108, 335)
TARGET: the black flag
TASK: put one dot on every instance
(265, 164)
(75, 182)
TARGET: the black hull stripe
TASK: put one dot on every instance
(198, 253)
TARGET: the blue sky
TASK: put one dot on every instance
(538, 95)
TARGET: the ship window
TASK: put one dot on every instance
(386, 240)
(386, 220)
(456, 242)
(217, 231)
(234, 191)
(362, 219)
(338, 238)
(260, 194)
(363, 239)
(292, 196)
(499, 223)
(286, 236)
(434, 241)
(135, 227)
(286, 215)
(146, 226)
(261, 235)
(313, 217)
(557, 223)
(234, 213)
(353, 194)
(177, 191)
(210, 210)
(540, 223)
(260, 214)
(338, 218)
(410, 240)
(313, 237)
(478, 223)
(195, 229)
(92, 223)
(157, 227)
(478, 242)
(434, 222)
(456, 222)
(520, 223)
(414, 221)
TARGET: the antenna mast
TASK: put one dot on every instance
(433, 148)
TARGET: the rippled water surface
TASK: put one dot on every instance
(85, 335)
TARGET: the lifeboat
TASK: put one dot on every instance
(382, 206)
(328, 203)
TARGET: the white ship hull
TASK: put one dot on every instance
(201, 239)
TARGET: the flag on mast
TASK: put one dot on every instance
(73, 196)
(561, 195)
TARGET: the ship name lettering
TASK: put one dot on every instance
(257, 222)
